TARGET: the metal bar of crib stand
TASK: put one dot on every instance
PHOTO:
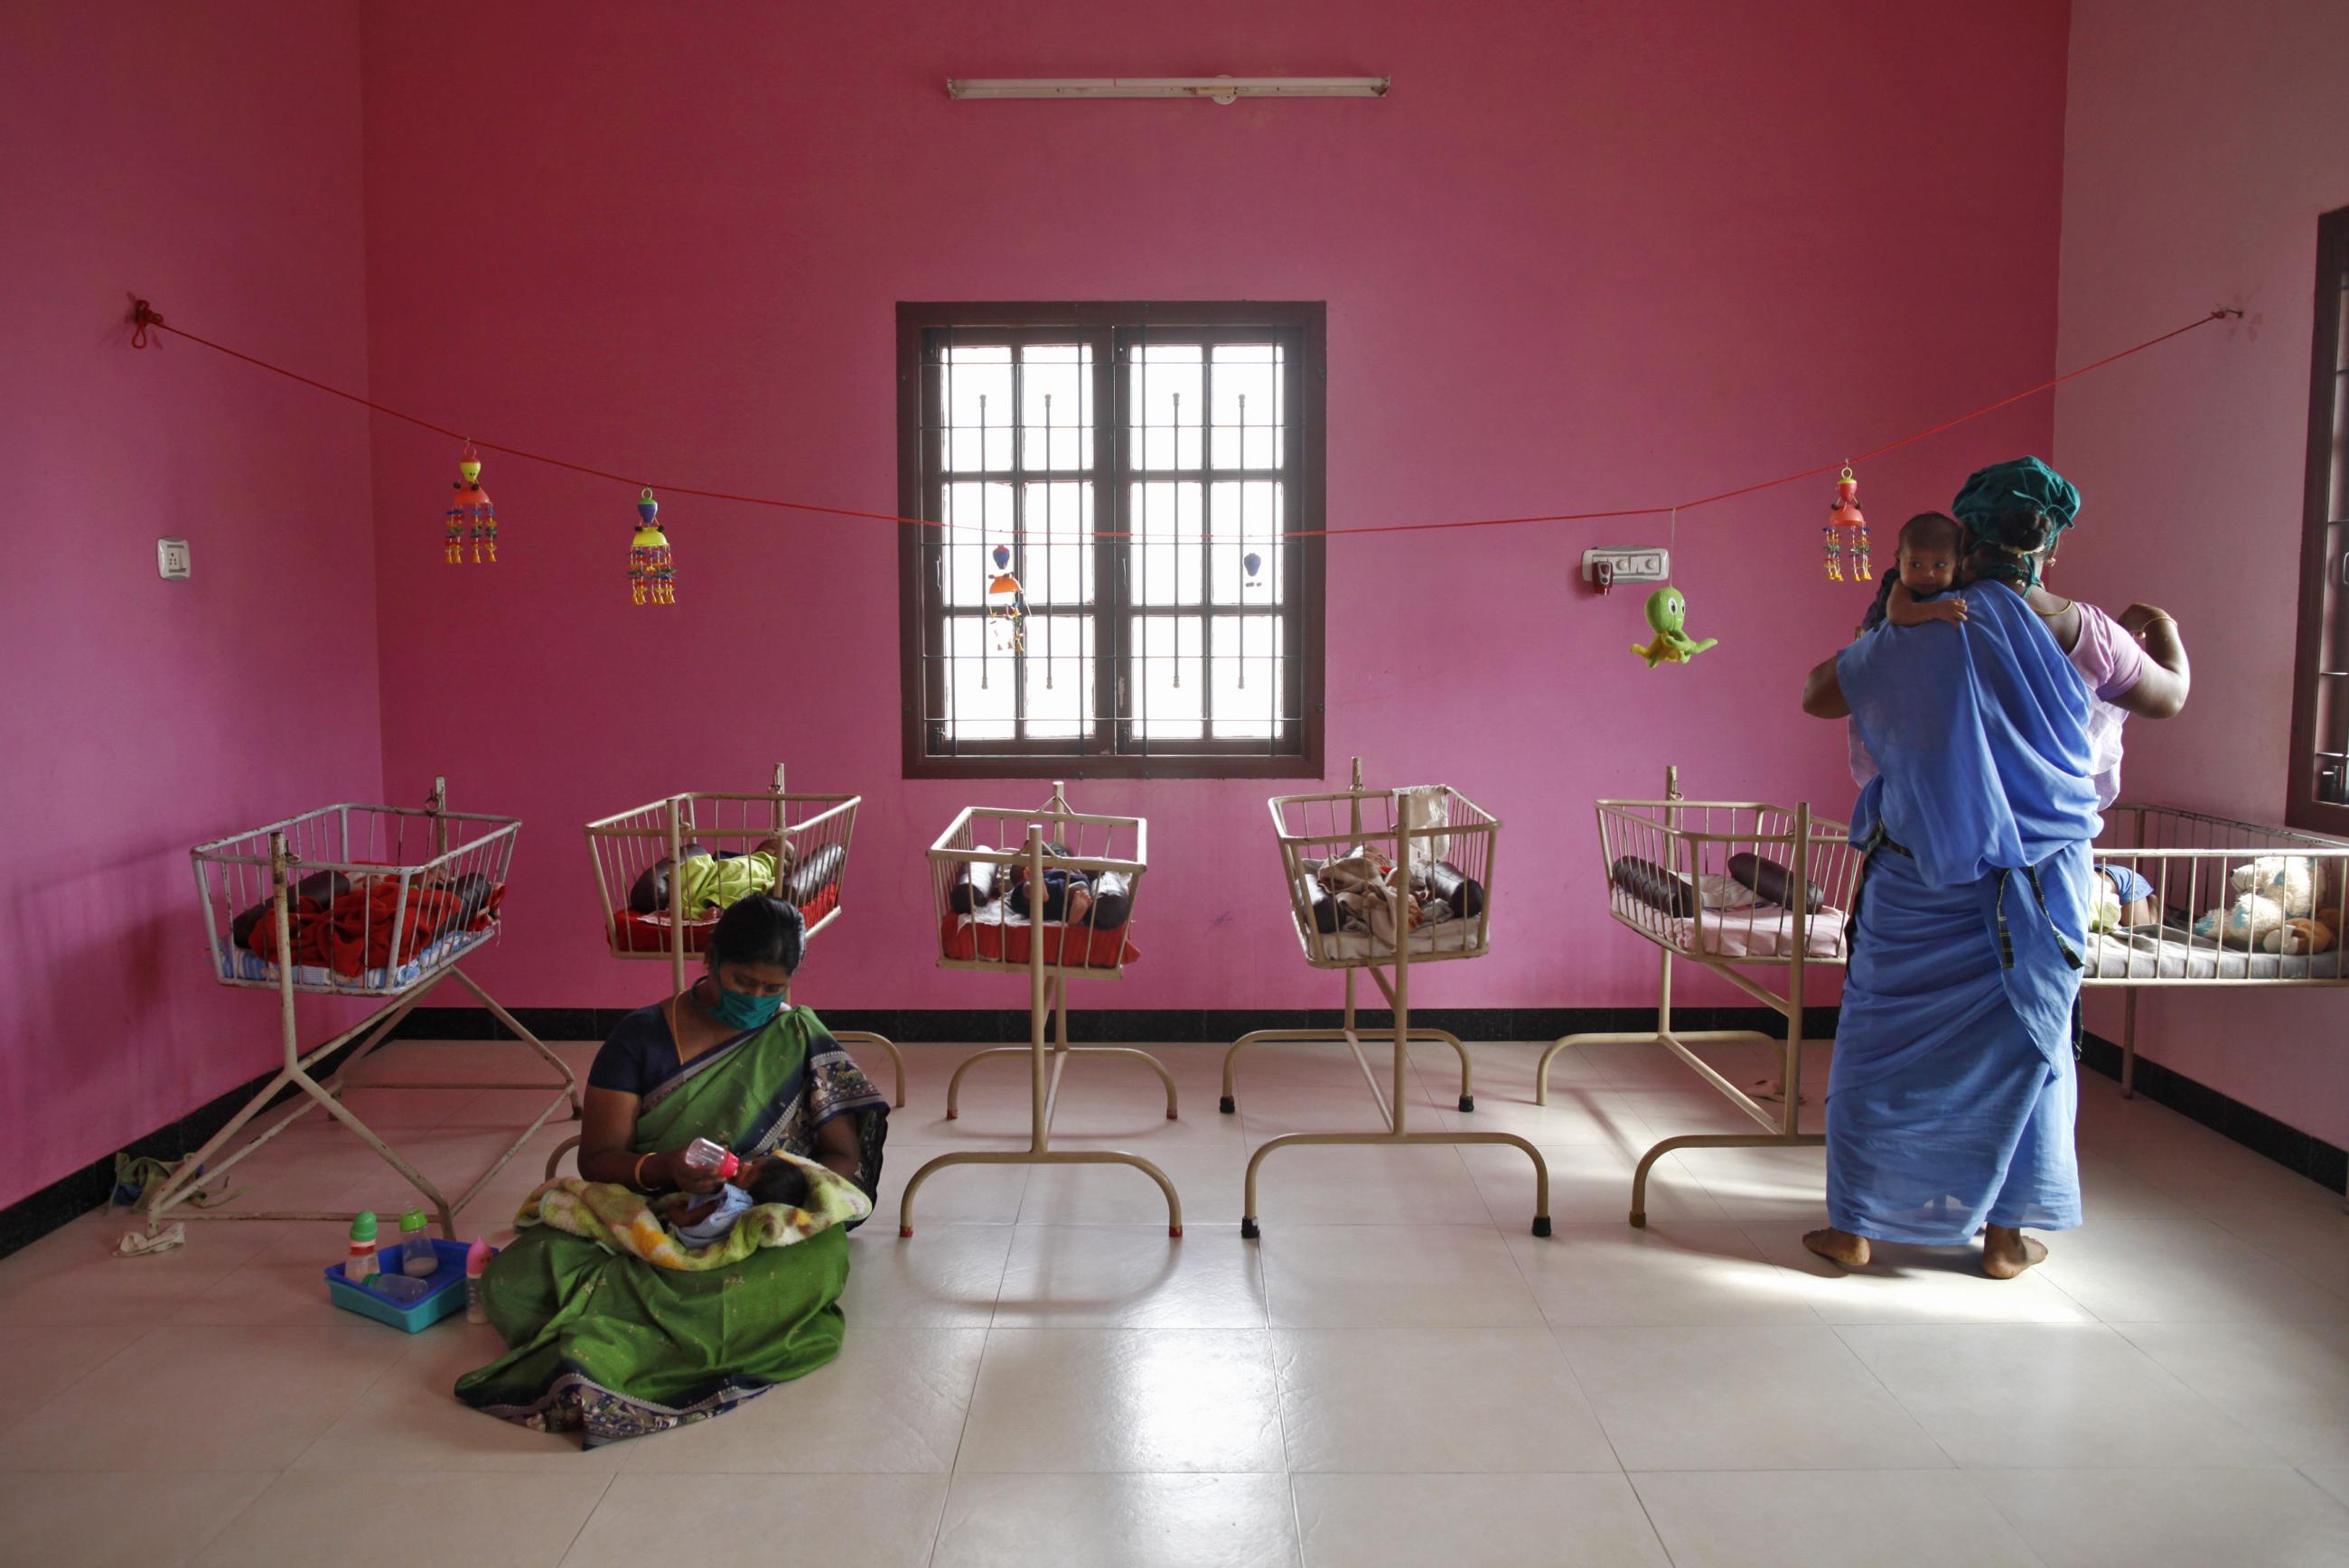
(1039, 1123)
(281, 916)
(676, 896)
(1790, 1071)
(1406, 808)
(2128, 1040)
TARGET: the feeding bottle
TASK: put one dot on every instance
(359, 1264)
(703, 1155)
(416, 1254)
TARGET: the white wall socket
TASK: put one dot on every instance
(1631, 565)
(173, 562)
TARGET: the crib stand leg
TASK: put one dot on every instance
(2128, 1043)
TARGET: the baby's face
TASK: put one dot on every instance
(1928, 569)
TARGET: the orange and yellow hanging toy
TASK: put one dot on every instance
(652, 576)
(1842, 513)
(471, 518)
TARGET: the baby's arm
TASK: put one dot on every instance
(1905, 609)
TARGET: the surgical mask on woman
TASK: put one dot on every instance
(739, 1010)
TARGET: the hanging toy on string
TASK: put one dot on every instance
(1007, 606)
(1253, 564)
(471, 518)
(1667, 615)
(652, 574)
(1845, 513)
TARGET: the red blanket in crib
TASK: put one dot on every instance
(633, 933)
(1065, 946)
(369, 928)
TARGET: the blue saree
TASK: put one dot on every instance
(1951, 1097)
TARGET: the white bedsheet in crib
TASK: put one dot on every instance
(1761, 931)
(1448, 936)
(243, 964)
(2166, 952)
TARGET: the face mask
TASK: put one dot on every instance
(740, 1011)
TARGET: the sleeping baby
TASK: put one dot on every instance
(768, 1180)
(712, 882)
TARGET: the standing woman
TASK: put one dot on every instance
(606, 1342)
(1951, 1097)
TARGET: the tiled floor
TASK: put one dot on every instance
(1396, 1373)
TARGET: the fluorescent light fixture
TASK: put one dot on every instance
(1222, 89)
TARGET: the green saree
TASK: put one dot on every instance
(606, 1343)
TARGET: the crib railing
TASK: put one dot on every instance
(1444, 828)
(975, 860)
(2223, 894)
(398, 891)
(1691, 843)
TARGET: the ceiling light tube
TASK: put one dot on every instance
(1221, 90)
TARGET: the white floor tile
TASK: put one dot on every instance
(2285, 1383)
(1394, 1276)
(1576, 1113)
(479, 1520)
(1316, 1184)
(1403, 1401)
(2048, 1396)
(1903, 1284)
(1829, 1519)
(855, 1521)
(36, 1365)
(1087, 1400)
(1208, 1181)
(1475, 1521)
(1130, 1276)
(2182, 1271)
(1742, 1399)
(152, 1519)
(1765, 1183)
(1166, 1521)
(1670, 1273)
(2172, 1519)
(953, 1195)
(1590, 1184)
(943, 1276)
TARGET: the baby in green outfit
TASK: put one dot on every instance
(711, 881)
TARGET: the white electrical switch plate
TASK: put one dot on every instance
(1631, 565)
(173, 564)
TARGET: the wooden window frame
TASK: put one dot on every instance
(2319, 706)
(1110, 750)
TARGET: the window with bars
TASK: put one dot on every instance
(2319, 793)
(1119, 572)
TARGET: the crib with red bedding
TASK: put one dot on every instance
(814, 833)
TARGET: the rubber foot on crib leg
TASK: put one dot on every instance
(1249, 1232)
(1639, 1219)
(952, 1113)
(1170, 1116)
(1229, 1105)
(903, 1232)
(1467, 1102)
(1174, 1231)
(1541, 1224)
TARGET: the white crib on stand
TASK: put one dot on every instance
(996, 841)
(1439, 824)
(442, 876)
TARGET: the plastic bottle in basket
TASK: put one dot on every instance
(417, 1258)
(359, 1263)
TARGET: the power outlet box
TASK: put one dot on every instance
(1631, 565)
(173, 560)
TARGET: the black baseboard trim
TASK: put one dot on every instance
(2256, 1130)
(72, 1196)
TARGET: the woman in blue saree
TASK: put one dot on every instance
(602, 1341)
(1951, 1097)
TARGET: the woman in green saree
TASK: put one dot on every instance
(603, 1341)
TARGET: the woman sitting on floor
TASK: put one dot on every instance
(605, 1341)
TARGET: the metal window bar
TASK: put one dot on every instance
(324, 873)
(1403, 824)
(989, 842)
(1694, 839)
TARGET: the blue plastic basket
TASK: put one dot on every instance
(444, 1292)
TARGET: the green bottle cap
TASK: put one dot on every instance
(363, 1225)
(411, 1221)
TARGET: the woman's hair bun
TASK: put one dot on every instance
(759, 930)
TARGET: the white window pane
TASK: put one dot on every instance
(1168, 677)
(1166, 565)
(976, 388)
(978, 518)
(1247, 677)
(1057, 557)
(1060, 665)
(1251, 371)
(1056, 414)
(1247, 522)
(982, 696)
(1164, 394)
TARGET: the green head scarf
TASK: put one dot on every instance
(2002, 505)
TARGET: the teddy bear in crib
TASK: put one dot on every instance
(2269, 892)
(2306, 934)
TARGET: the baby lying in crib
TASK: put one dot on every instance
(768, 1180)
(713, 881)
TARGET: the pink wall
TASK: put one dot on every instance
(2201, 142)
(208, 157)
(1585, 255)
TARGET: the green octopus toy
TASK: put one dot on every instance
(1667, 613)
